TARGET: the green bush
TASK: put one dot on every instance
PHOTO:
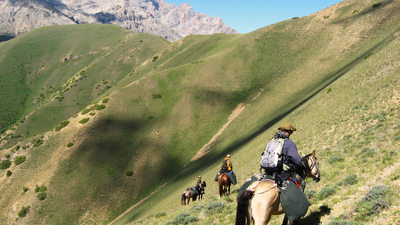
(335, 158)
(84, 120)
(99, 107)
(42, 188)
(160, 214)
(8, 173)
(367, 152)
(325, 193)
(155, 96)
(37, 188)
(350, 179)
(376, 5)
(69, 145)
(37, 142)
(105, 100)
(24, 189)
(129, 173)
(62, 125)
(23, 211)
(154, 58)
(214, 207)
(189, 219)
(42, 196)
(84, 111)
(19, 159)
(180, 218)
(5, 164)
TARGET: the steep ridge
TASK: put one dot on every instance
(172, 102)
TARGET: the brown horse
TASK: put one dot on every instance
(185, 199)
(224, 184)
(261, 199)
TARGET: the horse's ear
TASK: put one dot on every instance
(313, 154)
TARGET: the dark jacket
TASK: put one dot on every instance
(291, 156)
(226, 166)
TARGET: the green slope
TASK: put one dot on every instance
(165, 101)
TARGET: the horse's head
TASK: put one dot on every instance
(311, 165)
(203, 185)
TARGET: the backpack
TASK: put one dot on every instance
(272, 156)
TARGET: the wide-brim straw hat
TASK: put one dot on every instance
(287, 126)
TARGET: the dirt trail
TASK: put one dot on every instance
(203, 151)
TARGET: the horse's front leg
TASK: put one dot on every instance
(229, 189)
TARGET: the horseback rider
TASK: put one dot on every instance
(227, 165)
(291, 157)
(199, 180)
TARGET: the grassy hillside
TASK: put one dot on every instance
(53, 72)
(149, 106)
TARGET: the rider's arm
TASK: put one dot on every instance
(292, 153)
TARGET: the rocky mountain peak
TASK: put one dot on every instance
(141, 16)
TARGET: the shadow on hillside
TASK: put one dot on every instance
(96, 170)
(315, 217)
(6, 37)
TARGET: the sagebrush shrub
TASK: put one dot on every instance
(23, 211)
(42, 188)
(5, 164)
(325, 193)
(160, 214)
(42, 196)
(8, 173)
(180, 218)
(70, 144)
(335, 158)
(374, 201)
(99, 107)
(19, 159)
(129, 173)
(84, 120)
(214, 207)
(350, 179)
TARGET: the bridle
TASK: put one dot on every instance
(309, 168)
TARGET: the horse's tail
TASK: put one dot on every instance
(242, 211)
(183, 199)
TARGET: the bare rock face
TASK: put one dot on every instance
(141, 16)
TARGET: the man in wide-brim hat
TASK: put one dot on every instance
(291, 156)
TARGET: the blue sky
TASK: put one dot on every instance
(249, 15)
